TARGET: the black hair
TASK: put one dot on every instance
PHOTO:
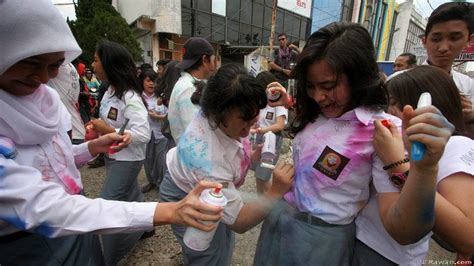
(265, 78)
(147, 73)
(452, 11)
(231, 88)
(347, 48)
(282, 34)
(199, 63)
(405, 88)
(199, 87)
(166, 83)
(411, 58)
(145, 67)
(119, 67)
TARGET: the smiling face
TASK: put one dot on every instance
(445, 42)
(148, 86)
(330, 92)
(24, 77)
(235, 127)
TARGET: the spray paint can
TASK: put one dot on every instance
(268, 150)
(273, 95)
(197, 239)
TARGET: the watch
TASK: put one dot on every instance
(398, 179)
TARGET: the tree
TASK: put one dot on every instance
(97, 20)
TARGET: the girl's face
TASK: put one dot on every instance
(394, 108)
(236, 127)
(148, 86)
(98, 69)
(24, 77)
(330, 92)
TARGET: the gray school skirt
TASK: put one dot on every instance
(365, 256)
(289, 237)
(222, 245)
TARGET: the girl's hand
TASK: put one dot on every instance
(256, 154)
(285, 99)
(388, 142)
(428, 126)
(100, 126)
(103, 143)
(190, 210)
(283, 175)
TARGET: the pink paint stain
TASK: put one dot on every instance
(71, 184)
(244, 163)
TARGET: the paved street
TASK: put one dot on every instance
(162, 248)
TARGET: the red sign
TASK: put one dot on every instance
(467, 54)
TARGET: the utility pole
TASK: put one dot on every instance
(272, 31)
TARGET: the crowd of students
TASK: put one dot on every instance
(354, 194)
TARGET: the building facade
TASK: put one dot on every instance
(234, 27)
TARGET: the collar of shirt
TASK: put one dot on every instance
(363, 114)
(427, 63)
(192, 78)
(146, 97)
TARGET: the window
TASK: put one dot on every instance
(218, 29)
(203, 24)
(186, 3)
(267, 18)
(257, 17)
(280, 16)
(204, 5)
(245, 34)
(218, 7)
(187, 21)
(233, 32)
(256, 36)
(246, 14)
(303, 31)
(233, 7)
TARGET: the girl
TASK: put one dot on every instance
(271, 119)
(155, 162)
(455, 183)
(43, 216)
(340, 95)
(215, 147)
(122, 100)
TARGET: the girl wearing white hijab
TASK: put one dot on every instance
(43, 217)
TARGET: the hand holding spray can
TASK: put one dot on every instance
(418, 149)
(199, 240)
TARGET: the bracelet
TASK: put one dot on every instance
(390, 166)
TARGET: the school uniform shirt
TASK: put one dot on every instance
(114, 111)
(155, 126)
(181, 109)
(40, 186)
(464, 83)
(206, 154)
(334, 163)
(268, 115)
(458, 157)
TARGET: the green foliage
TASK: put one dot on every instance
(97, 20)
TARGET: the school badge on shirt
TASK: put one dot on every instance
(113, 113)
(331, 163)
(269, 116)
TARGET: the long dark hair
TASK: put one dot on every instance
(347, 48)
(406, 88)
(230, 88)
(166, 83)
(148, 73)
(119, 67)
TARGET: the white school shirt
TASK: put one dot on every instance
(181, 109)
(206, 154)
(40, 186)
(114, 111)
(458, 156)
(334, 163)
(268, 115)
(155, 126)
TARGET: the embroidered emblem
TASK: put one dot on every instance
(113, 113)
(331, 163)
(269, 116)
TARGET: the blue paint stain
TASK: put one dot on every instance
(2, 171)
(43, 229)
(427, 214)
(193, 154)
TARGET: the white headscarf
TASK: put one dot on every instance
(33, 27)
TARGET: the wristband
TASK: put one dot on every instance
(392, 165)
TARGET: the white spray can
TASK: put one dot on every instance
(268, 149)
(197, 239)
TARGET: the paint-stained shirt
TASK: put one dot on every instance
(334, 163)
(181, 109)
(204, 153)
(114, 111)
(458, 157)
